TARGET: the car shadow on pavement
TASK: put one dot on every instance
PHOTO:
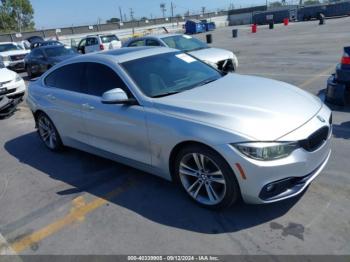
(153, 198)
(345, 109)
(342, 130)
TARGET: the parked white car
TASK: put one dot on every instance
(219, 58)
(12, 55)
(95, 43)
(11, 82)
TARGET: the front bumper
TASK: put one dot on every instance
(16, 89)
(297, 170)
(15, 65)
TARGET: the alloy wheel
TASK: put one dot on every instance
(202, 179)
(47, 132)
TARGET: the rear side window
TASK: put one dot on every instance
(67, 77)
(91, 41)
(100, 78)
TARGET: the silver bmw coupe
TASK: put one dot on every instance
(220, 136)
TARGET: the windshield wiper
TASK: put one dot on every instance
(207, 81)
(166, 94)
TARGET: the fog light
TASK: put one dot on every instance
(270, 187)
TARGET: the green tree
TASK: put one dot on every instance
(312, 2)
(16, 15)
(275, 4)
(113, 20)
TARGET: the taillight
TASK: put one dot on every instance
(102, 47)
(345, 59)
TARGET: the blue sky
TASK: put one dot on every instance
(61, 13)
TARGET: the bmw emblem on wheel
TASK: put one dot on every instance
(321, 119)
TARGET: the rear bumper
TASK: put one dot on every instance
(337, 92)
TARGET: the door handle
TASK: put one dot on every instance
(51, 97)
(88, 107)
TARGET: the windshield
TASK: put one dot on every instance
(109, 38)
(169, 73)
(184, 43)
(9, 47)
(59, 51)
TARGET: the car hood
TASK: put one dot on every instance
(14, 52)
(212, 55)
(261, 109)
(6, 75)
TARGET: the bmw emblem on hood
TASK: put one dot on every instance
(321, 119)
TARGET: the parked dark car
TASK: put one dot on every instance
(338, 84)
(45, 43)
(40, 59)
(35, 39)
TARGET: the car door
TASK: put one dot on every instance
(36, 63)
(81, 46)
(91, 45)
(62, 96)
(117, 129)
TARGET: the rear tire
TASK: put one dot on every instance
(48, 133)
(206, 177)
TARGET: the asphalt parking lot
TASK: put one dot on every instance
(76, 203)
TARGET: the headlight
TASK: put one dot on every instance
(18, 78)
(4, 58)
(211, 64)
(266, 151)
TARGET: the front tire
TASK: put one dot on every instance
(29, 72)
(48, 132)
(206, 177)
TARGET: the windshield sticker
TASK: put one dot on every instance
(187, 36)
(186, 58)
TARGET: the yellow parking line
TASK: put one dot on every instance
(311, 80)
(77, 213)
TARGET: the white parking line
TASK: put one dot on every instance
(5, 248)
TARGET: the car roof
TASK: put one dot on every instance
(122, 55)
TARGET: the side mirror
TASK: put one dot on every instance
(117, 96)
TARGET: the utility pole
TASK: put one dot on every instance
(131, 14)
(203, 10)
(121, 14)
(19, 21)
(163, 9)
(172, 9)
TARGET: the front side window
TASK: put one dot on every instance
(169, 73)
(137, 43)
(67, 77)
(100, 78)
(184, 43)
(36, 53)
(82, 43)
(152, 42)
